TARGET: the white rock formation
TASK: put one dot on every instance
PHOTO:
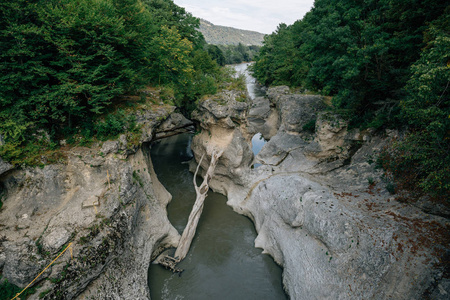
(335, 235)
(106, 201)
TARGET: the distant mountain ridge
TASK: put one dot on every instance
(222, 35)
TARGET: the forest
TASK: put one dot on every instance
(233, 54)
(65, 62)
(386, 64)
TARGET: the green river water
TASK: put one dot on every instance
(222, 262)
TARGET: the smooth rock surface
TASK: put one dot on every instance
(106, 201)
(322, 210)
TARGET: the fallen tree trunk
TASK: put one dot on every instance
(201, 192)
(189, 232)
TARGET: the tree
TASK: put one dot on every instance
(422, 160)
(274, 63)
(189, 231)
(359, 52)
(386, 63)
(216, 53)
(167, 13)
(170, 53)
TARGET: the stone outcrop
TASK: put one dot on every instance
(320, 207)
(174, 124)
(263, 117)
(106, 201)
(4, 166)
(221, 120)
(296, 110)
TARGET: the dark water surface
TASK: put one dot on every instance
(222, 262)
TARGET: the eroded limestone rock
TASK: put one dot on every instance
(263, 117)
(110, 147)
(46, 209)
(106, 201)
(22, 262)
(225, 120)
(322, 210)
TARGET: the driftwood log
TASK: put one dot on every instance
(189, 232)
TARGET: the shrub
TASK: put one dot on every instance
(113, 125)
(310, 126)
(9, 290)
(419, 165)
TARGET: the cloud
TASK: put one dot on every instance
(262, 16)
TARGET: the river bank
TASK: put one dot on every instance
(320, 207)
(105, 202)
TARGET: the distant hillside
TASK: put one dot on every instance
(221, 35)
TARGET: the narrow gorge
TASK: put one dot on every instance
(320, 207)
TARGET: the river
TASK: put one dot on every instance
(253, 88)
(222, 262)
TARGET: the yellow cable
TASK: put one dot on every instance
(17, 295)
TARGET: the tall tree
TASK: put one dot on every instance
(167, 13)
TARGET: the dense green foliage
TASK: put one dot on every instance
(232, 54)
(236, 54)
(64, 62)
(421, 161)
(386, 63)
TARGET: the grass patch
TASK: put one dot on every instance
(137, 179)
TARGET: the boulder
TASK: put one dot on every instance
(276, 92)
(173, 122)
(54, 238)
(298, 110)
(110, 147)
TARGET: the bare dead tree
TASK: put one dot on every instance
(189, 232)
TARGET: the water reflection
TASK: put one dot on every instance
(257, 143)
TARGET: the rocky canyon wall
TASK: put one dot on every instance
(106, 200)
(320, 207)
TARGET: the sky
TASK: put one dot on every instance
(257, 15)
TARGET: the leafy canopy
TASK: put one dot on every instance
(64, 62)
(386, 63)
